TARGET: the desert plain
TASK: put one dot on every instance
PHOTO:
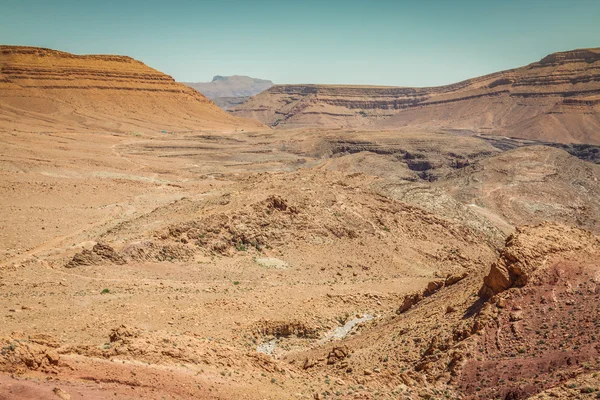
(179, 251)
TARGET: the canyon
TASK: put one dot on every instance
(153, 245)
(556, 99)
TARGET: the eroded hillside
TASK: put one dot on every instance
(295, 264)
(555, 99)
(43, 90)
(531, 185)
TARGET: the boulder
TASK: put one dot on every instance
(409, 301)
(433, 287)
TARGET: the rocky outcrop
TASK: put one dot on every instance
(554, 99)
(528, 249)
(284, 329)
(18, 355)
(101, 252)
(524, 341)
(433, 287)
(49, 90)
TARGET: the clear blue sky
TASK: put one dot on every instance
(407, 43)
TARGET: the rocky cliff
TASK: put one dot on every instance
(49, 90)
(556, 99)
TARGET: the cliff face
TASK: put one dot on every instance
(557, 99)
(49, 90)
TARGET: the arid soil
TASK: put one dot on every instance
(286, 264)
(258, 263)
(555, 99)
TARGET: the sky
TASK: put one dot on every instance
(385, 42)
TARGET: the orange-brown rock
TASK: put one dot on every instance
(452, 279)
(18, 356)
(284, 329)
(527, 249)
(433, 287)
(101, 252)
(409, 301)
(336, 354)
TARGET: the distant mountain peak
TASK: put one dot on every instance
(234, 88)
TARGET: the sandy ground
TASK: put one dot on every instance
(217, 245)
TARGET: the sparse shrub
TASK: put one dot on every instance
(105, 291)
(6, 349)
(342, 318)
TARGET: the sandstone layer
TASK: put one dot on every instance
(555, 99)
(49, 90)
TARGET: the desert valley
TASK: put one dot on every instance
(303, 242)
